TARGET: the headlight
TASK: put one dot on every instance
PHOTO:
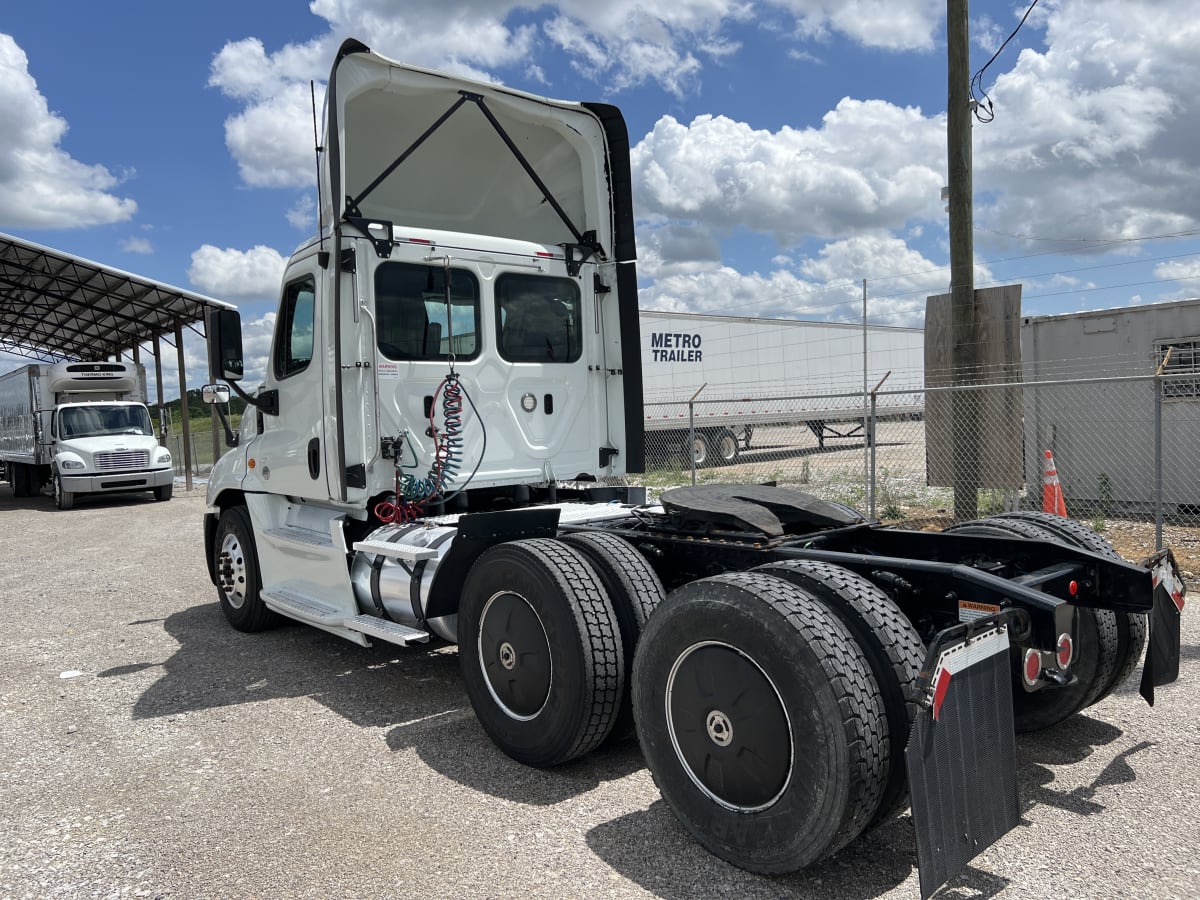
(71, 464)
(163, 456)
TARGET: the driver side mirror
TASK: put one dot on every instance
(224, 328)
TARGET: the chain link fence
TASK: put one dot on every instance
(1123, 447)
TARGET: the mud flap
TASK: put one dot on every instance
(1162, 648)
(961, 755)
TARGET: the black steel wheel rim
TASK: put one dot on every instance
(514, 654)
(729, 727)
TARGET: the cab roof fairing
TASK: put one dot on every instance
(460, 176)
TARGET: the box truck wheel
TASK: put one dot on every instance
(540, 651)
(63, 498)
(235, 561)
(760, 721)
(635, 591)
(1096, 644)
(891, 646)
(164, 492)
(1131, 627)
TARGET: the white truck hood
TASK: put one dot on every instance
(412, 147)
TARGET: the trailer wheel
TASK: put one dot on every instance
(700, 450)
(540, 651)
(1131, 627)
(891, 646)
(760, 721)
(1097, 644)
(723, 445)
(235, 562)
(635, 591)
(63, 499)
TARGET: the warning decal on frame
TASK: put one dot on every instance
(969, 610)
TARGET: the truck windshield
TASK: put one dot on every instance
(90, 421)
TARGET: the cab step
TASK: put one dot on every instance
(296, 605)
(386, 630)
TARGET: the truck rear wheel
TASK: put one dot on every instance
(1131, 627)
(891, 646)
(635, 591)
(1096, 645)
(63, 499)
(235, 562)
(723, 445)
(19, 479)
(760, 721)
(540, 651)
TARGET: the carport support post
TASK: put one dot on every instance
(162, 409)
(183, 408)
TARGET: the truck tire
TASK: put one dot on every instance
(1131, 627)
(19, 480)
(63, 499)
(1097, 644)
(700, 452)
(540, 651)
(635, 591)
(891, 646)
(235, 562)
(164, 492)
(723, 447)
(760, 721)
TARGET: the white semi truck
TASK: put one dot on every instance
(453, 395)
(82, 428)
(744, 373)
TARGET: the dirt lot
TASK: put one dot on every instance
(146, 749)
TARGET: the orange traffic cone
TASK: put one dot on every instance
(1052, 493)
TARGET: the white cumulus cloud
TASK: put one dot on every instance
(41, 185)
(253, 274)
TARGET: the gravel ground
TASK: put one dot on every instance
(147, 749)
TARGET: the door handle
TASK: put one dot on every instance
(314, 458)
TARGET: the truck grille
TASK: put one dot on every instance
(123, 459)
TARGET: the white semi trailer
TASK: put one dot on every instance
(744, 373)
(459, 340)
(82, 427)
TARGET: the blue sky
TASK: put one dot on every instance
(783, 150)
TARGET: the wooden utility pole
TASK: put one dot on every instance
(962, 261)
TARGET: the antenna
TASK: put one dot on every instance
(317, 148)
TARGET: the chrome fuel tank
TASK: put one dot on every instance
(399, 590)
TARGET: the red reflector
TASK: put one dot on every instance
(1033, 665)
(545, 254)
(1073, 587)
(939, 693)
(418, 240)
(1064, 651)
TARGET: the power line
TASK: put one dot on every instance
(977, 78)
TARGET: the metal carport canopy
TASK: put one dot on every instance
(56, 306)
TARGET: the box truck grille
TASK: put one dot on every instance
(123, 459)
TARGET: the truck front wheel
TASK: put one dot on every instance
(760, 721)
(540, 651)
(63, 498)
(235, 561)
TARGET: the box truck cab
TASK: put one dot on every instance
(83, 428)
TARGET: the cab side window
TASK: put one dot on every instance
(294, 328)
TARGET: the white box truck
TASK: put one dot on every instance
(749, 372)
(458, 350)
(82, 427)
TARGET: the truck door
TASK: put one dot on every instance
(289, 455)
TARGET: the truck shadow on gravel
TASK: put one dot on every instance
(416, 691)
(216, 666)
(651, 848)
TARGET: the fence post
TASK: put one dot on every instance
(691, 444)
(871, 441)
(1158, 459)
